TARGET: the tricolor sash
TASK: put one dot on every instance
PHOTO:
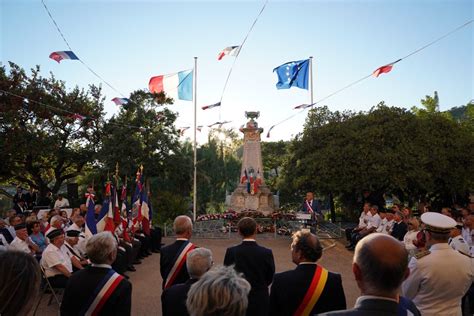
(309, 208)
(314, 292)
(178, 263)
(102, 293)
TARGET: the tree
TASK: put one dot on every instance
(43, 143)
(274, 155)
(385, 150)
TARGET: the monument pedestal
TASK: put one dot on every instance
(258, 197)
(262, 201)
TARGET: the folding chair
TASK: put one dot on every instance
(46, 285)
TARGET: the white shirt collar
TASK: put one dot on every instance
(306, 262)
(372, 297)
(248, 239)
(181, 239)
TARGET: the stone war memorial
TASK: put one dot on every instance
(252, 193)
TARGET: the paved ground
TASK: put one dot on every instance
(147, 281)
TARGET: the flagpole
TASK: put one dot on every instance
(311, 76)
(195, 146)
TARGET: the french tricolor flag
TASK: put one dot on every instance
(177, 86)
(58, 56)
(231, 51)
(120, 101)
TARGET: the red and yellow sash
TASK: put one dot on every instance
(314, 292)
(178, 264)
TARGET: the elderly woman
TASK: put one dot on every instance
(85, 286)
(219, 292)
(410, 237)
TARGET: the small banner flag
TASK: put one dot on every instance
(58, 56)
(218, 123)
(231, 51)
(182, 130)
(120, 101)
(293, 74)
(177, 86)
(302, 106)
(384, 69)
(199, 128)
(269, 130)
(206, 107)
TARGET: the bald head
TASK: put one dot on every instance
(380, 265)
(183, 226)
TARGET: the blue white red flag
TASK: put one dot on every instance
(177, 86)
(120, 101)
(145, 211)
(60, 55)
(91, 228)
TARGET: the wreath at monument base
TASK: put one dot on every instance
(265, 223)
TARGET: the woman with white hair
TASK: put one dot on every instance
(98, 289)
(219, 292)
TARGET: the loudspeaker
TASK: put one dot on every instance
(72, 190)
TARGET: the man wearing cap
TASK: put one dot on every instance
(56, 263)
(22, 242)
(72, 238)
(457, 242)
(440, 276)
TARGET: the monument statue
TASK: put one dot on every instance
(252, 193)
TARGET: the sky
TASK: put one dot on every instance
(127, 42)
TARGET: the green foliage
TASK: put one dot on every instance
(386, 150)
(218, 169)
(42, 145)
(274, 155)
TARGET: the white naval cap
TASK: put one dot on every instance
(437, 222)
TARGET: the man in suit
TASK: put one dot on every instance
(173, 257)
(379, 266)
(295, 291)
(400, 228)
(173, 299)
(98, 289)
(256, 263)
(310, 205)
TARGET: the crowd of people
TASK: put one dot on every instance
(403, 264)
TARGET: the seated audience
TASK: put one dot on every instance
(6, 233)
(34, 231)
(400, 228)
(55, 261)
(410, 237)
(290, 289)
(373, 224)
(22, 242)
(83, 294)
(379, 266)
(61, 202)
(220, 291)
(78, 262)
(19, 283)
(173, 299)
(363, 221)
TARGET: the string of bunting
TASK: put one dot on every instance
(384, 69)
(58, 56)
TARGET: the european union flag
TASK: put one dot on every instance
(293, 74)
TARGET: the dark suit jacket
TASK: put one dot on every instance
(167, 258)
(6, 233)
(82, 283)
(173, 299)
(314, 205)
(377, 307)
(399, 230)
(290, 287)
(257, 265)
